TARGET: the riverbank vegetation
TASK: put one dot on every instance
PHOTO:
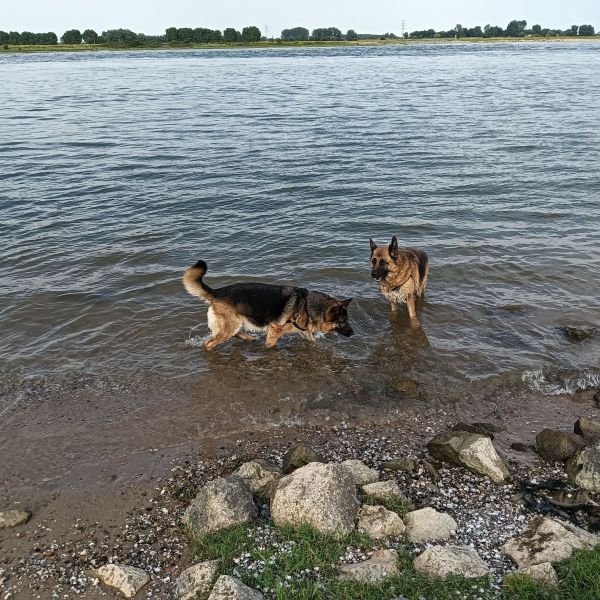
(74, 39)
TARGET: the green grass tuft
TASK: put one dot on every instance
(400, 506)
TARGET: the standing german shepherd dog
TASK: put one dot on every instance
(402, 273)
(276, 309)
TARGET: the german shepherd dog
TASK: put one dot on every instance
(402, 273)
(276, 309)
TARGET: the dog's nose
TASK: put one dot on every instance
(374, 275)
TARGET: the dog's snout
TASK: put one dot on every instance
(346, 331)
(375, 274)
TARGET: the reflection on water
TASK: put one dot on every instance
(119, 170)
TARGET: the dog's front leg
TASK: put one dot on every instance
(394, 306)
(275, 332)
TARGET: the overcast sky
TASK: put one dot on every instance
(365, 16)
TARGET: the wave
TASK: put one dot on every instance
(561, 381)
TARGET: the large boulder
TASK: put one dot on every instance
(13, 518)
(230, 588)
(382, 564)
(407, 465)
(260, 477)
(378, 522)
(542, 572)
(361, 473)
(546, 540)
(558, 446)
(473, 451)
(383, 490)
(584, 468)
(198, 579)
(588, 429)
(128, 580)
(221, 503)
(320, 495)
(298, 456)
(442, 561)
(429, 525)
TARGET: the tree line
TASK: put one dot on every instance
(513, 29)
(251, 34)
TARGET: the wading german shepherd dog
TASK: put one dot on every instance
(276, 309)
(402, 273)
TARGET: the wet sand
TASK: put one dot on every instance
(82, 493)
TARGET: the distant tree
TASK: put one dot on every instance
(4, 37)
(89, 36)
(296, 34)
(351, 35)
(72, 36)
(586, 30)
(473, 32)
(185, 34)
(121, 37)
(51, 38)
(327, 34)
(251, 34)
(27, 38)
(14, 37)
(217, 36)
(459, 30)
(536, 29)
(172, 34)
(516, 28)
(490, 31)
(231, 35)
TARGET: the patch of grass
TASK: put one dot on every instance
(400, 506)
(302, 564)
(579, 578)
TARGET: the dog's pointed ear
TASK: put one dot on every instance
(393, 248)
(373, 245)
(346, 301)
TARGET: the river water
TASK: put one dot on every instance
(120, 169)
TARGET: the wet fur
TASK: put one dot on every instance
(402, 273)
(261, 307)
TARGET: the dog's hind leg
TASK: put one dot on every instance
(223, 326)
(424, 281)
(242, 335)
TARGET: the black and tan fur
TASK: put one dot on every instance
(236, 309)
(402, 273)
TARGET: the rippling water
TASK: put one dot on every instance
(118, 170)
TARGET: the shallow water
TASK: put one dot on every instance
(120, 169)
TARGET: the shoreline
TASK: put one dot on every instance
(23, 49)
(128, 507)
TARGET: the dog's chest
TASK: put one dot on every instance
(398, 294)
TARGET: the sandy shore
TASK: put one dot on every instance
(127, 504)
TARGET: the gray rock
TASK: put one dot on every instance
(558, 446)
(546, 540)
(320, 495)
(520, 447)
(260, 477)
(128, 580)
(584, 468)
(473, 451)
(429, 525)
(381, 565)
(298, 456)
(588, 429)
(576, 334)
(230, 588)
(486, 429)
(431, 470)
(542, 572)
(383, 490)
(13, 518)
(378, 522)
(442, 561)
(198, 579)
(221, 503)
(361, 473)
(407, 465)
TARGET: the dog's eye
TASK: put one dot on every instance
(374, 262)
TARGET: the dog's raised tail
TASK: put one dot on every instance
(193, 284)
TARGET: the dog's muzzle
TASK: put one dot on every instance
(346, 331)
(378, 274)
